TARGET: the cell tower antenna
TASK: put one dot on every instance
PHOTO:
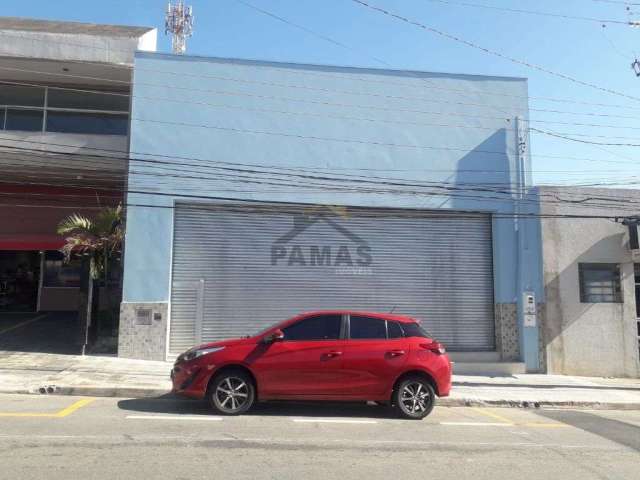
(179, 22)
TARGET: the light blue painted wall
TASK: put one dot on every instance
(214, 119)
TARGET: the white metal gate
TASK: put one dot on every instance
(237, 269)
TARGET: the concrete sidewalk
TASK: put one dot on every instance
(22, 372)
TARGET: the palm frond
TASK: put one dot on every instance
(75, 223)
(99, 239)
(108, 220)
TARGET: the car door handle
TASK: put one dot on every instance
(396, 353)
(333, 354)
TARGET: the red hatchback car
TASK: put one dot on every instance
(332, 355)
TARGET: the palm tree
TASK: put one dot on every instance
(95, 241)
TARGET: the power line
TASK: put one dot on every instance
(578, 140)
(53, 155)
(348, 178)
(373, 107)
(298, 72)
(53, 144)
(493, 52)
(198, 174)
(347, 92)
(452, 196)
(530, 12)
(307, 30)
(414, 212)
(304, 87)
(616, 2)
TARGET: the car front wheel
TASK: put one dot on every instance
(414, 398)
(232, 393)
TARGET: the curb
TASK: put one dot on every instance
(92, 391)
(151, 392)
(534, 404)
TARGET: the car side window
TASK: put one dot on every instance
(361, 328)
(415, 330)
(320, 327)
(393, 329)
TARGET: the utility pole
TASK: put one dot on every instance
(179, 22)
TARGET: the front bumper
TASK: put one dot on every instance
(187, 380)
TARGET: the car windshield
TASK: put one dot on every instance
(263, 331)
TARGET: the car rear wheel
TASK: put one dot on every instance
(232, 393)
(414, 398)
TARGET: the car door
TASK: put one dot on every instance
(374, 356)
(307, 362)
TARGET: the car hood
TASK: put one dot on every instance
(227, 343)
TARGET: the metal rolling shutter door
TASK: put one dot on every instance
(432, 266)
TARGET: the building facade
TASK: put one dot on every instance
(592, 282)
(258, 190)
(64, 124)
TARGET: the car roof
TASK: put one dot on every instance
(385, 316)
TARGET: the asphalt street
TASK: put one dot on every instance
(58, 437)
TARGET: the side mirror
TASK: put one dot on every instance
(275, 336)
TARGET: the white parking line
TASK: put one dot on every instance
(331, 420)
(476, 424)
(174, 417)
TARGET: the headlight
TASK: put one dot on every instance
(193, 354)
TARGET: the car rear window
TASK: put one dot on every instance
(415, 330)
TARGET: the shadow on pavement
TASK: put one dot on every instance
(169, 404)
(614, 430)
(37, 332)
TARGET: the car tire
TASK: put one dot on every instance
(231, 393)
(414, 398)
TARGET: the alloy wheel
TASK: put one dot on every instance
(415, 398)
(232, 394)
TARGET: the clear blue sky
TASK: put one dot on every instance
(578, 48)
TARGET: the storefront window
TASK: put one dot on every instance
(57, 273)
(19, 274)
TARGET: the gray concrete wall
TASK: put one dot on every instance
(83, 42)
(507, 343)
(592, 339)
(145, 341)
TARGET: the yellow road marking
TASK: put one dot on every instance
(506, 421)
(72, 408)
(495, 416)
(65, 412)
(22, 324)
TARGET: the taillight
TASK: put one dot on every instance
(434, 347)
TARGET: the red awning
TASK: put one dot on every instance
(31, 242)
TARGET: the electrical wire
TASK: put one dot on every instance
(578, 140)
(530, 12)
(493, 52)
(347, 178)
(330, 91)
(305, 87)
